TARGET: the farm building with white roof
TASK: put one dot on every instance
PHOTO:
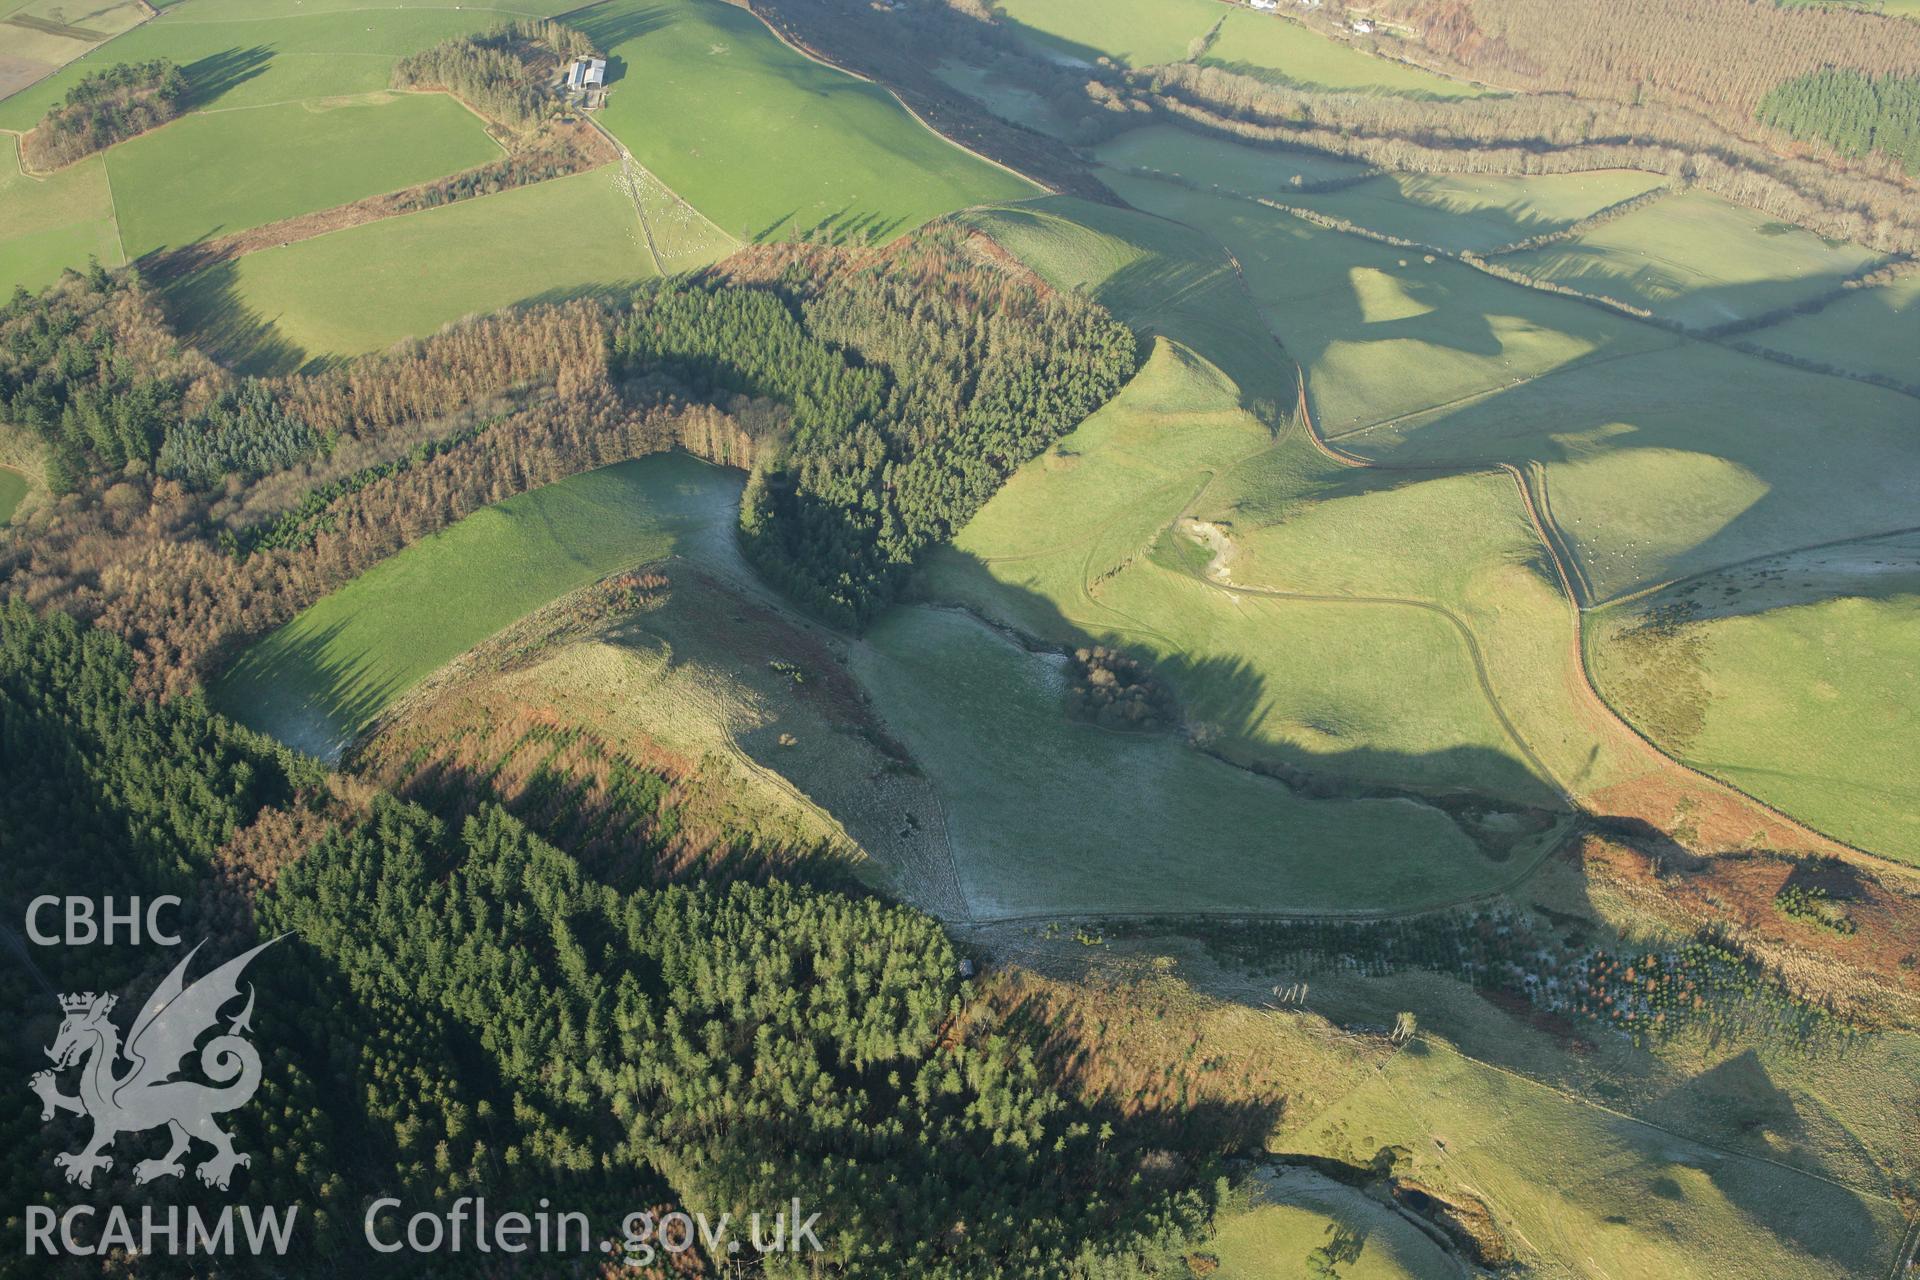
(587, 73)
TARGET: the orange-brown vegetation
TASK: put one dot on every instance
(1203, 1076)
(247, 864)
(1717, 57)
(1873, 970)
(629, 807)
(138, 556)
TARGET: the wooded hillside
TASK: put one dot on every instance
(465, 1009)
(1853, 113)
(1717, 57)
(876, 411)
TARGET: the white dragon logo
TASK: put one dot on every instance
(146, 1095)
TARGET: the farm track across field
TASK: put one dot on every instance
(1559, 557)
(1549, 543)
(807, 51)
(1430, 606)
(1733, 336)
(1474, 654)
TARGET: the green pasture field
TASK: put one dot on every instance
(1082, 546)
(1049, 815)
(366, 287)
(1272, 48)
(1381, 331)
(1477, 212)
(1295, 1213)
(1763, 1096)
(1797, 679)
(1297, 522)
(213, 173)
(1658, 457)
(1874, 330)
(243, 53)
(319, 678)
(1136, 33)
(13, 487)
(677, 236)
(1215, 162)
(766, 142)
(1158, 276)
(1699, 260)
(1670, 463)
(1569, 1181)
(52, 223)
(1461, 543)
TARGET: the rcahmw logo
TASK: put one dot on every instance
(130, 1087)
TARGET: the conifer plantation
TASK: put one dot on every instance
(491, 1016)
(463, 1009)
(1854, 114)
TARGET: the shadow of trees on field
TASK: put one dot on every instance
(1638, 387)
(849, 227)
(218, 73)
(610, 25)
(208, 306)
(1225, 700)
(615, 294)
(309, 691)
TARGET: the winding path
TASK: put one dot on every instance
(1557, 555)
(1459, 625)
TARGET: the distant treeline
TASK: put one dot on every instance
(106, 107)
(506, 74)
(1852, 113)
(1715, 57)
(1538, 134)
(1668, 87)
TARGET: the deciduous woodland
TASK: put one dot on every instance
(875, 412)
(1543, 134)
(1644, 100)
(106, 107)
(1717, 57)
